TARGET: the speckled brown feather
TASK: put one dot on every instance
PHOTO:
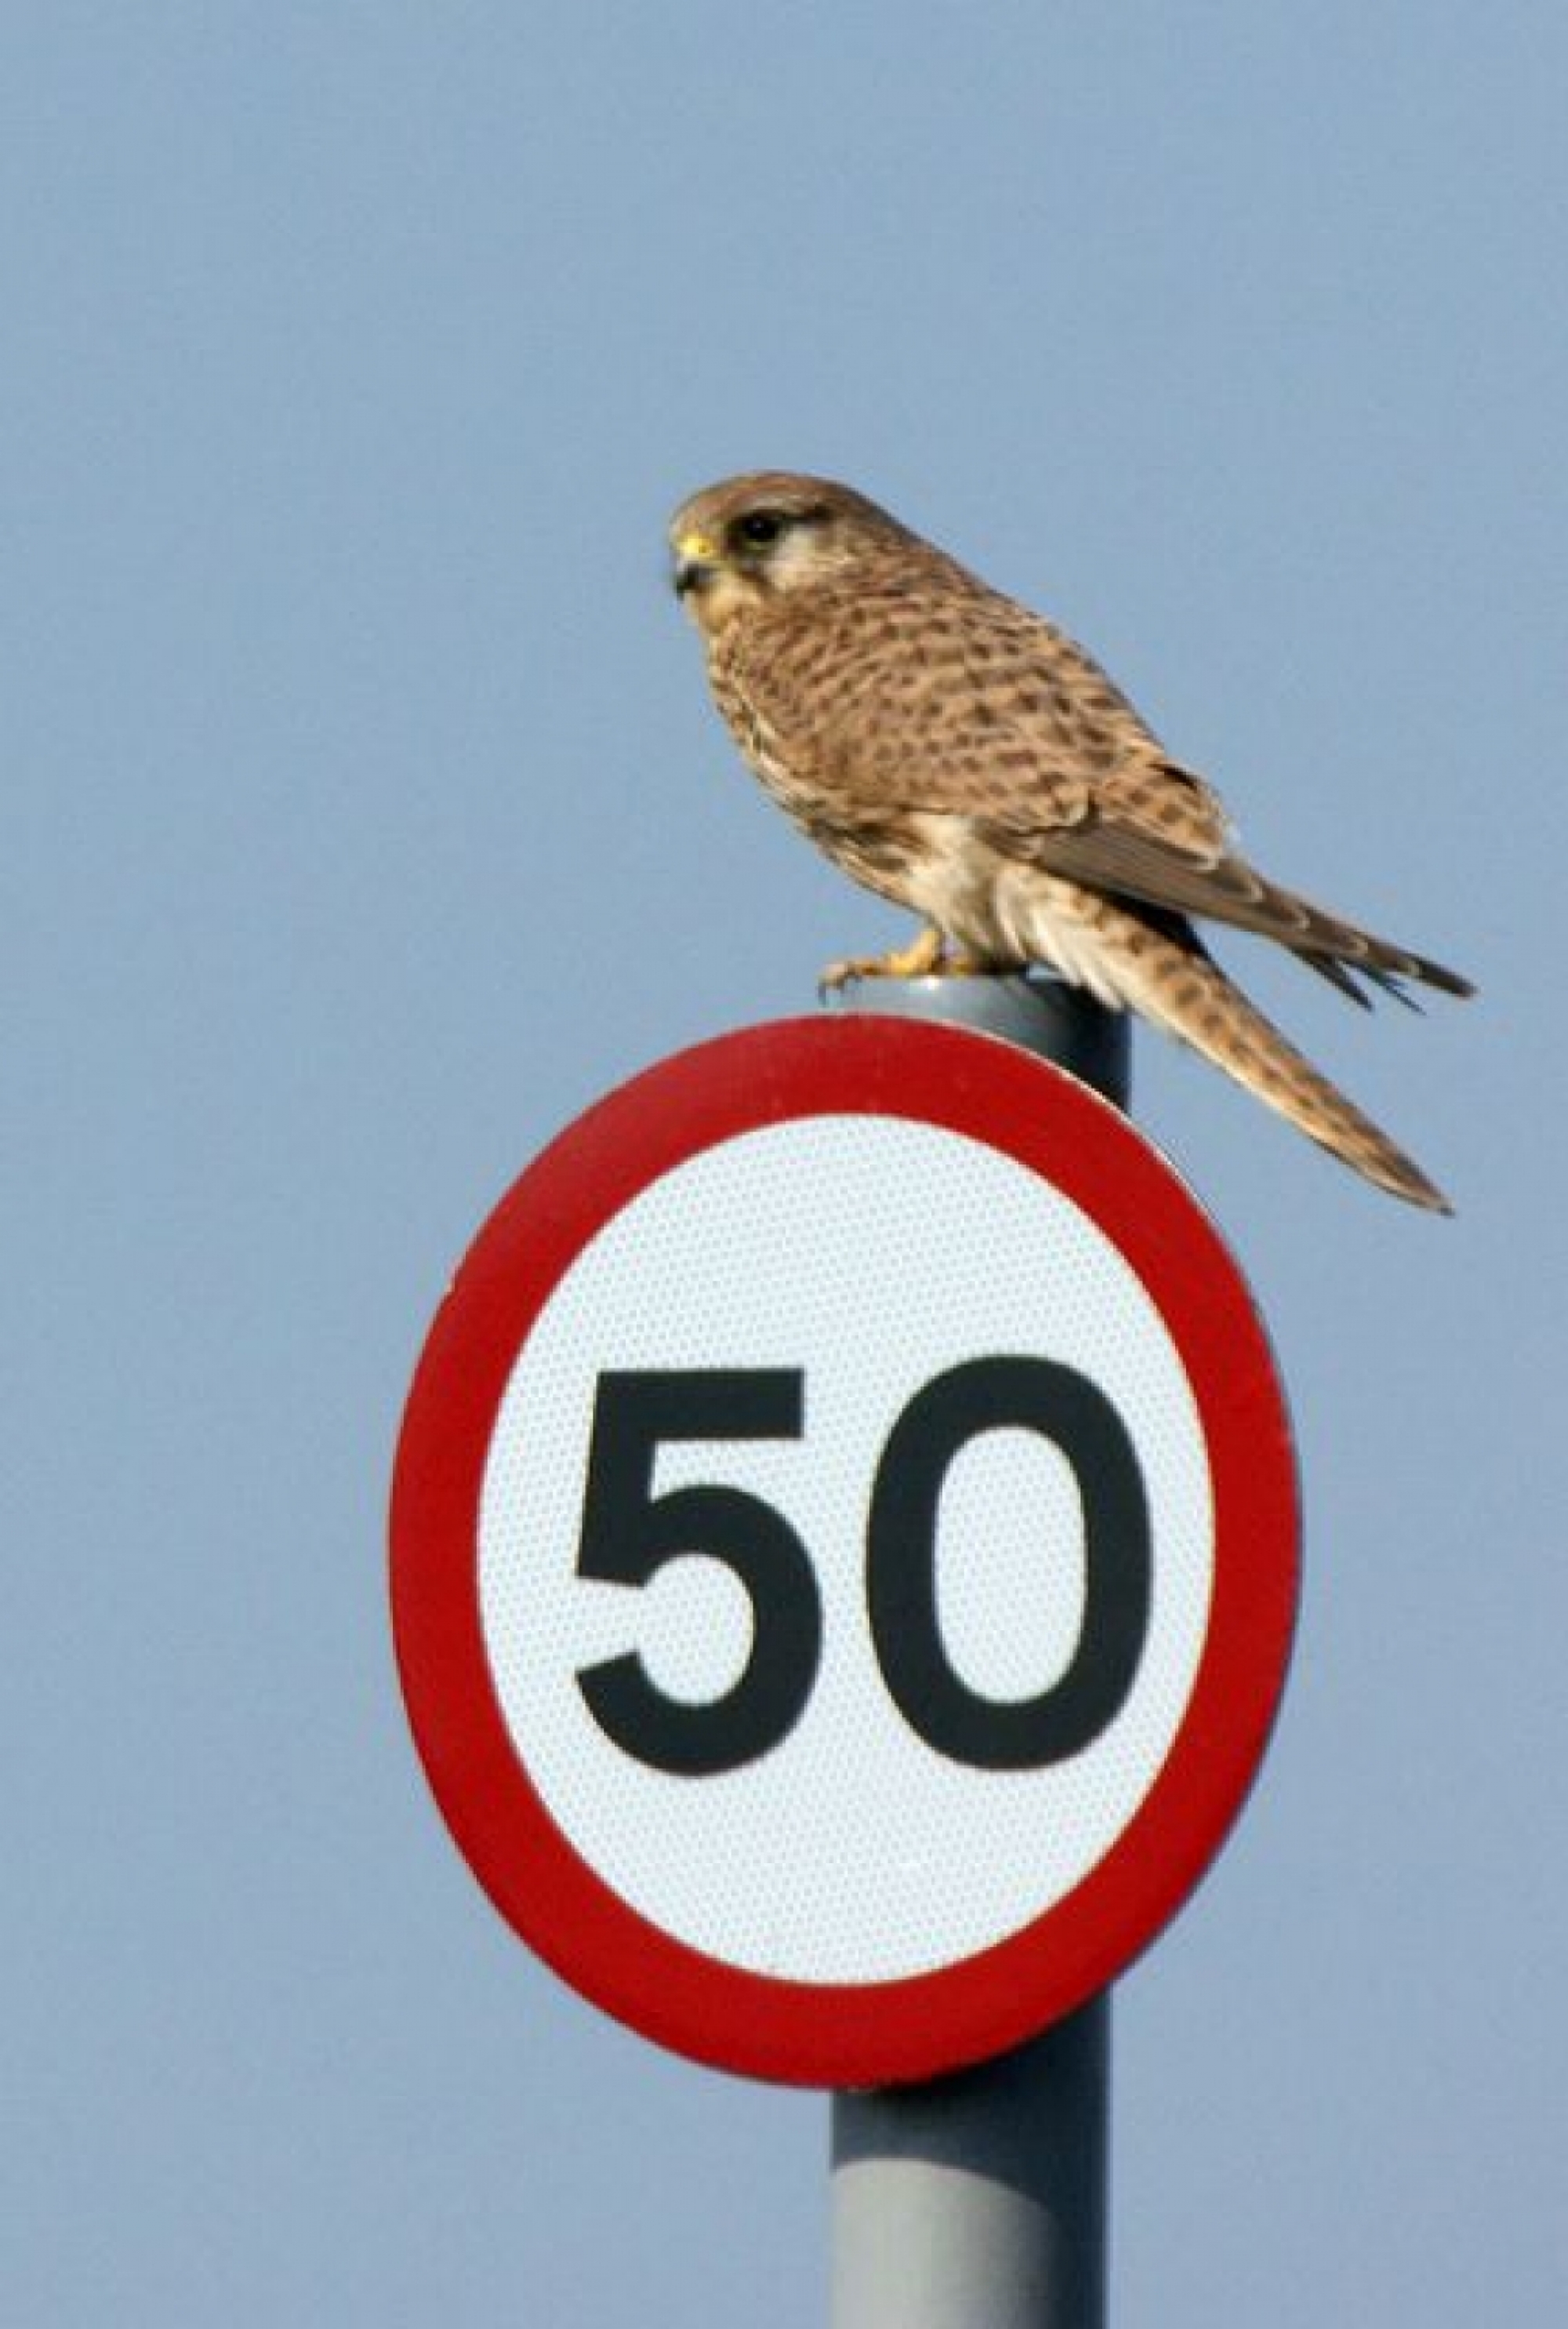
(959, 754)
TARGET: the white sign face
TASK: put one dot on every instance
(853, 1849)
(844, 1549)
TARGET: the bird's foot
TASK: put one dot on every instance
(925, 956)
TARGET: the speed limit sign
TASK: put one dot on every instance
(844, 1549)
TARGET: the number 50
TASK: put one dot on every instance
(629, 1534)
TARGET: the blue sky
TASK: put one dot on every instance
(366, 818)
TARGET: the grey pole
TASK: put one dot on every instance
(978, 2200)
(1060, 1023)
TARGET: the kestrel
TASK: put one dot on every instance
(959, 755)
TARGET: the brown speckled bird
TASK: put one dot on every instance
(959, 755)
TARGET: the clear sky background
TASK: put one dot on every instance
(365, 817)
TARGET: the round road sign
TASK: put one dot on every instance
(844, 1549)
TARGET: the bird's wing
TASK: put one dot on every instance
(1154, 832)
(961, 701)
(966, 704)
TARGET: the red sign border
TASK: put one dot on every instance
(848, 2034)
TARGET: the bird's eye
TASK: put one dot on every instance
(761, 527)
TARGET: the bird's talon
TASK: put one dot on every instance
(855, 965)
(919, 959)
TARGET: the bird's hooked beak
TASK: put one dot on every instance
(696, 563)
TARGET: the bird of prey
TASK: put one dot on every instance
(961, 756)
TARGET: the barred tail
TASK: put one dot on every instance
(1154, 963)
(1189, 997)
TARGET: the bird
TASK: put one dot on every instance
(959, 754)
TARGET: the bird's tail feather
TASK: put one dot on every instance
(1183, 990)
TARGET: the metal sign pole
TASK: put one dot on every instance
(977, 2198)
(980, 2197)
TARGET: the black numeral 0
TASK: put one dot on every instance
(628, 1535)
(1065, 1407)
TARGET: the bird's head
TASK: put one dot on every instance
(742, 545)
